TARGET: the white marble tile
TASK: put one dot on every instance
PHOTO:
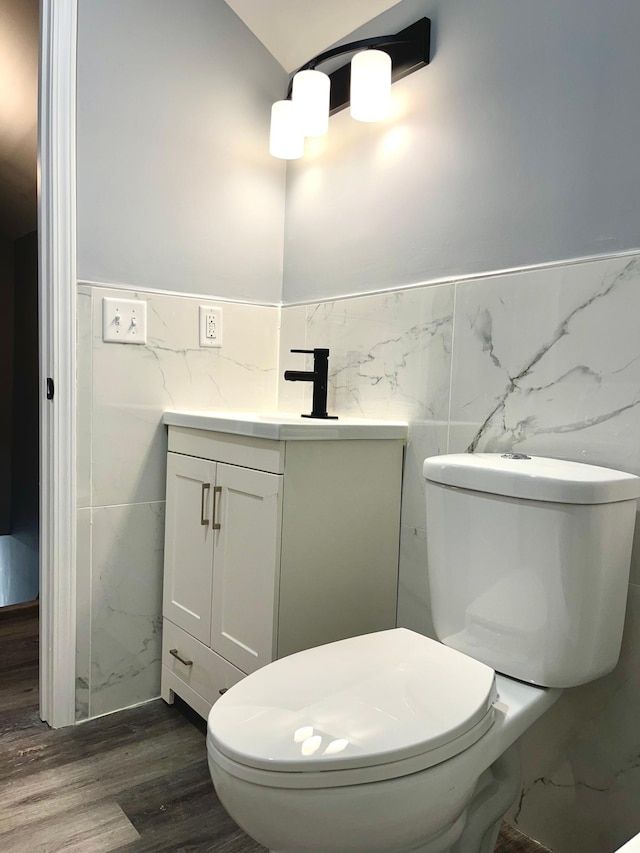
(414, 610)
(83, 613)
(126, 604)
(134, 385)
(425, 439)
(460, 436)
(548, 362)
(581, 783)
(390, 353)
(292, 396)
(84, 373)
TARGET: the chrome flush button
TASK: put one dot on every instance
(515, 456)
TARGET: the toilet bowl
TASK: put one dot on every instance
(368, 745)
(397, 743)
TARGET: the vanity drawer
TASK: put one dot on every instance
(207, 674)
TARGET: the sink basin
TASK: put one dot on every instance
(287, 426)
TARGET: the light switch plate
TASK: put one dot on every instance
(124, 320)
(210, 326)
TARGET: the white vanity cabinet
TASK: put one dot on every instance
(222, 556)
(271, 547)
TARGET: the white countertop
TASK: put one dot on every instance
(286, 426)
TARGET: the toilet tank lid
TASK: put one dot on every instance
(532, 477)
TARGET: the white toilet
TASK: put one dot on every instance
(393, 742)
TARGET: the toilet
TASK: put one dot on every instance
(394, 742)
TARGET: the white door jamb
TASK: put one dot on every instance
(57, 332)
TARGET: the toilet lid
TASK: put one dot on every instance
(368, 700)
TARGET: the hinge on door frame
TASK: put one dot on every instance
(50, 388)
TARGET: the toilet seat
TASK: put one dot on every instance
(364, 709)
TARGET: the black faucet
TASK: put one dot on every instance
(318, 376)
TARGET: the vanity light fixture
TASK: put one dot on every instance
(365, 83)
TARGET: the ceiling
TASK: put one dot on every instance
(18, 116)
(296, 30)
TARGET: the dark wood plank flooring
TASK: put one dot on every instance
(134, 781)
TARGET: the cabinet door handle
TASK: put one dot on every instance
(176, 654)
(203, 504)
(217, 490)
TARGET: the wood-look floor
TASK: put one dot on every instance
(134, 781)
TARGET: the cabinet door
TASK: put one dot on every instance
(246, 566)
(189, 544)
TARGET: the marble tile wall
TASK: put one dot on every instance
(122, 392)
(545, 361)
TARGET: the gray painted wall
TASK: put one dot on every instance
(176, 189)
(517, 145)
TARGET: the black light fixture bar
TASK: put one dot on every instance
(409, 50)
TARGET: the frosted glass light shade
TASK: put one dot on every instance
(371, 85)
(286, 139)
(310, 94)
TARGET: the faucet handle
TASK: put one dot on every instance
(308, 351)
(316, 351)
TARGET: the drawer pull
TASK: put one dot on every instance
(176, 654)
(216, 491)
(203, 504)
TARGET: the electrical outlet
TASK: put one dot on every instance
(124, 320)
(210, 326)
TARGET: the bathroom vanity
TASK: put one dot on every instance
(281, 534)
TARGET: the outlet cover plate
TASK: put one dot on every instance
(124, 321)
(210, 326)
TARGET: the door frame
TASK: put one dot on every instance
(57, 339)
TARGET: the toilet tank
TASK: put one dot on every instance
(528, 562)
